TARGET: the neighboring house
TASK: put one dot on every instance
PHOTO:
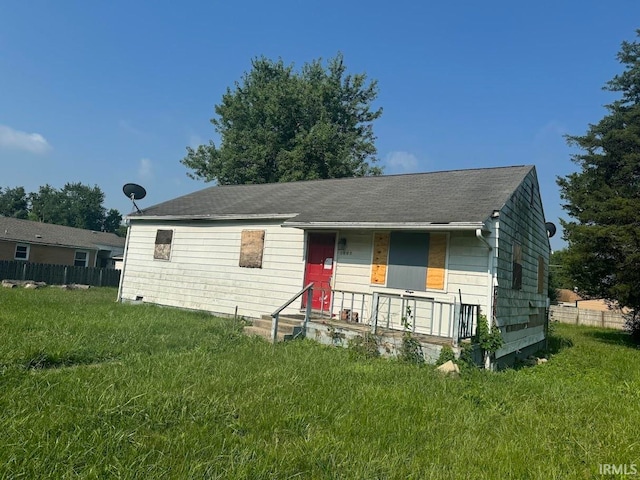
(441, 243)
(37, 242)
(568, 298)
(565, 296)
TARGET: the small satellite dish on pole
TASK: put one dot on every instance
(134, 192)
(551, 229)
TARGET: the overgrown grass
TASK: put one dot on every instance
(94, 389)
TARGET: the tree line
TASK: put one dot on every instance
(74, 205)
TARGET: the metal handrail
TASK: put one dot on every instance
(276, 315)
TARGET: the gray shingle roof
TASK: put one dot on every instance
(465, 196)
(27, 231)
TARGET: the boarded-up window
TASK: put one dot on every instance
(517, 266)
(379, 261)
(162, 249)
(409, 260)
(251, 247)
(541, 274)
(436, 264)
(408, 256)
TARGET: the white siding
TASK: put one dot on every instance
(203, 271)
(519, 311)
(467, 270)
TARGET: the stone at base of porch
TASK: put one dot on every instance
(338, 333)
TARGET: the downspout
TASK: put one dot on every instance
(124, 263)
(489, 313)
(480, 237)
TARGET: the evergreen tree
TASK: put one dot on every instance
(603, 198)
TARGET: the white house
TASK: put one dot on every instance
(443, 244)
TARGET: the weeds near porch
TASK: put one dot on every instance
(489, 339)
(411, 349)
(446, 354)
(364, 347)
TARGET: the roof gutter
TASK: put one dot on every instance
(482, 239)
(458, 226)
(233, 216)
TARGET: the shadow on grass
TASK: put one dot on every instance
(557, 343)
(613, 337)
(46, 361)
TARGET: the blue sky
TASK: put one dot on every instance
(107, 93)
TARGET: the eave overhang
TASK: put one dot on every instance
(213, 218)
(457, 226)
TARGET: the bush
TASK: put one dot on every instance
(446, 354)
(364, 347)
(411, 350)
(632, 325)
(466, 356)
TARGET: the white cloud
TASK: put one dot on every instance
(145, 169)
(31, 142)
(401, 162)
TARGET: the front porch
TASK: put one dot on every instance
(429, 317)
(433, 322)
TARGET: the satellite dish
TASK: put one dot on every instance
(551, 229)
(134, 192)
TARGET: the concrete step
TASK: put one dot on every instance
(285, 319)
(262, 332)
(262, 327)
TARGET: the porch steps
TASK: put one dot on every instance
(287, 327)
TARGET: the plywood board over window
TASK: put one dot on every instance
(517, 266)
(251, 248)
(162, 250)
(409, 260)
(437, 259)
(380, 255)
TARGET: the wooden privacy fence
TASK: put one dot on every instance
(591, 318)
(58, 274)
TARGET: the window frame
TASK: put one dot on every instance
(516, 266)
(27, 252)
(163, 254)
(380, 263)
(86, 258)
(251, 248)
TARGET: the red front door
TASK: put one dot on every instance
(319, 268)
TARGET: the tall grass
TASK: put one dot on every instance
(94, 389)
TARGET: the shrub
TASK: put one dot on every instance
(411, 350)
(364, 347)
(632, 325)
(446, 354)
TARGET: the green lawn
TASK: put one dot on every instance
(93, 389)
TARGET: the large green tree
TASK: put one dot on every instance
(14, 202)
(603, 198)
(75, 205)
(280, 125)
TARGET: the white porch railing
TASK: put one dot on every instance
(426, 315)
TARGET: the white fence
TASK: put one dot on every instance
(591, 318)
